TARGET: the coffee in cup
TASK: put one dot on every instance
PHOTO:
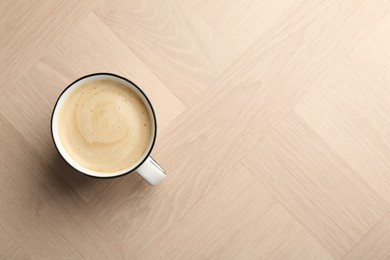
(104, 126)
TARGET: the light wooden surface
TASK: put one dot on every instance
(274, 129)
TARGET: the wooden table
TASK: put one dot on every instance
(274, 129)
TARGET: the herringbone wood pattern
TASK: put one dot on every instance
(274, 129)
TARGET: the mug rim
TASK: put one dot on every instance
(147, 155)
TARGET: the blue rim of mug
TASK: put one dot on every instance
(147, 100)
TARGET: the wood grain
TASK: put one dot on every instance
(351, 110)
(9, 248)
(375, 245)
(28, 29)
(42, 212)
(240, 24)
(182, 53)
(253, 223)
(273, 118)
(317, 187)
(213, 140)
(88, 49)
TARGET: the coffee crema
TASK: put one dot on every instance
(104, 126)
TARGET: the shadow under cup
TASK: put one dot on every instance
(145, 166)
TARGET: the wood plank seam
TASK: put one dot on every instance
(330, 150)
(14, 240)
(98, 221)
(140, 58)
(313, 235)
(313, 88)
(365, 235)
(51, 46)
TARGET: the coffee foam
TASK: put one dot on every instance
(104, 126)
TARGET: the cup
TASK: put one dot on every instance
(146, 166)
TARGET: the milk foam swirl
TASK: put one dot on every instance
(104, 126)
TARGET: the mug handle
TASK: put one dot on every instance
(151, 172)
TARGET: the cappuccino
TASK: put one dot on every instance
(104, 126)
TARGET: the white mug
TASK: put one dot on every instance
(146, 167)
